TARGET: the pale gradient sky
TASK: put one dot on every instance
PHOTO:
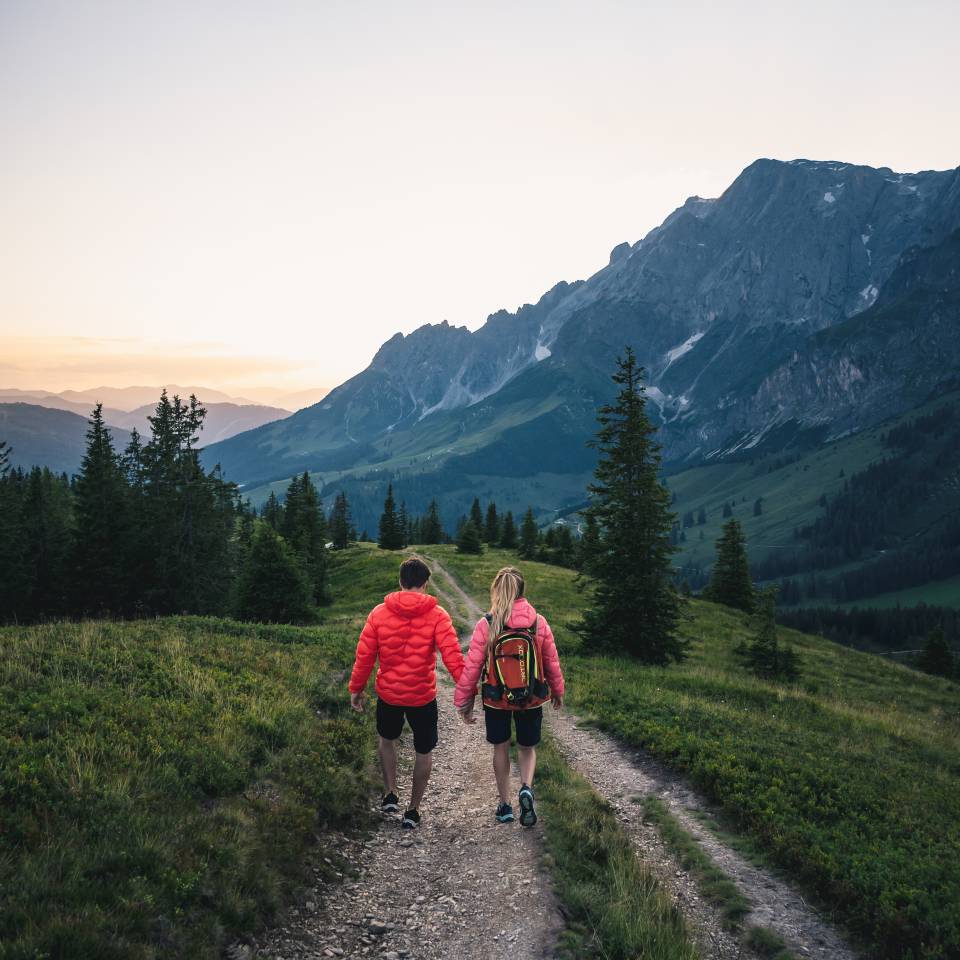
(261, 193)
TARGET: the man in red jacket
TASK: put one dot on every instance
(405, 632)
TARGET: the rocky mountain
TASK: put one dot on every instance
(759, 315)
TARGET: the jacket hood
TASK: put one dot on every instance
(523, 613)
(406, 603)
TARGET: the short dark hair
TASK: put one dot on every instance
(413, 573)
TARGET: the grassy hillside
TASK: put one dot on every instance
(160, 780)
(850, 779)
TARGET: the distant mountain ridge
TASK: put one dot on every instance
(750, 313)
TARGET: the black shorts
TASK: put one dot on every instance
(527, 723)
(422, 720)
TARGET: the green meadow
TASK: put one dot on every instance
(161, 780)
(849, 779)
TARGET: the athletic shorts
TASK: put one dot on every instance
(422, 720)
(527, 723)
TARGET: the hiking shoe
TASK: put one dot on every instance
(390, 803)
(504, 813)
(528, 816)
(411, 820)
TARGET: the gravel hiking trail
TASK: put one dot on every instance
(623, 776)
(461, 885)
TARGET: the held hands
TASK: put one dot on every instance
(466, 713)
(356, 701)
(557, 701)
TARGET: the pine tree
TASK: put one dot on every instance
(730, 581)
(528, 536)
(272, 511)
(508, 535)
(491, 526)
(48, 540)
(635, 608)
(470, 539)
(403, 524)
(305, 530)
(589, 545)
(13, 573)
(432, 529)
(340, 523)
(476, 514)
(273, 587)
(937, 657)
(101, 557)
(764, 655)
(390, 536)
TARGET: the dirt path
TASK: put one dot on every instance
(461, 886)
(622, 775)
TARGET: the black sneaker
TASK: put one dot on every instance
(504, 813)
(411, 820)
(528, 816)
(390, 803)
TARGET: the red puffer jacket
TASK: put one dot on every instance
(405, 632)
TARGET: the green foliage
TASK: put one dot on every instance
(273, 587)
(476, 514)
(764, 655)
(390, 535)
(528, 536)
(340, 522)
(305, 529)
(635, 608)
(491, 526)
(937, 657)
(431, 529)
(849, 780)
(161, 780)
(470, 539)
(614, 907)
(508, 533)
(730, 583)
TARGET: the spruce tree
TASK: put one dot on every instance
(101, 558)
(936, 657)
(508, 535)
(470, 539)
(13, 574)
(272, 511)
(340, 522)
(765, 656)
(273, 587)
(529, 540)
(431, 528)
(403, 524)
(390, 536)
(635, 608)
(491, 526)
(305, 530)
(730, 581)
(589, 544)
(48, 541)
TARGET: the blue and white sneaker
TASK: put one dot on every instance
(528, 816)
(504, 813)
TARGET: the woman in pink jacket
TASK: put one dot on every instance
(509, 609)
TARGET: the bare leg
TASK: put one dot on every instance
(501, 769)
(527, 760)
(388, 764)
(421, 774)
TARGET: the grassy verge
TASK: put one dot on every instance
(161, 780)
(850, 780)
(613, 906)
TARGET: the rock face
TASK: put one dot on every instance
(814, 295)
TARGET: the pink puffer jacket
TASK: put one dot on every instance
(523, 615)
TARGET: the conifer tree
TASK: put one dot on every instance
(491, 526)
(730, 581)
(47, 526)
(273, 587)
(765, 656)
(476, 514)
(432, 528)
(635, 608)
(13, 578)
(529, 540)
(272, 511)
(305, 530)
(340, 523)
(403, 524)
(508, 535)
(390, 537)
(589, 544)
(470, 539)
(937, 657)
(101, 558)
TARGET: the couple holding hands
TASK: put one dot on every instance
(512, 656)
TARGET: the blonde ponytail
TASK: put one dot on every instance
(506, 588)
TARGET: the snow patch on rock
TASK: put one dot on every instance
(828, 197)
(683, 348)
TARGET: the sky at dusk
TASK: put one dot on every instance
(257, 195)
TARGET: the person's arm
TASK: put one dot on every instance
(367, 648)
(551, 664)
(466, 691)
(448, 643)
